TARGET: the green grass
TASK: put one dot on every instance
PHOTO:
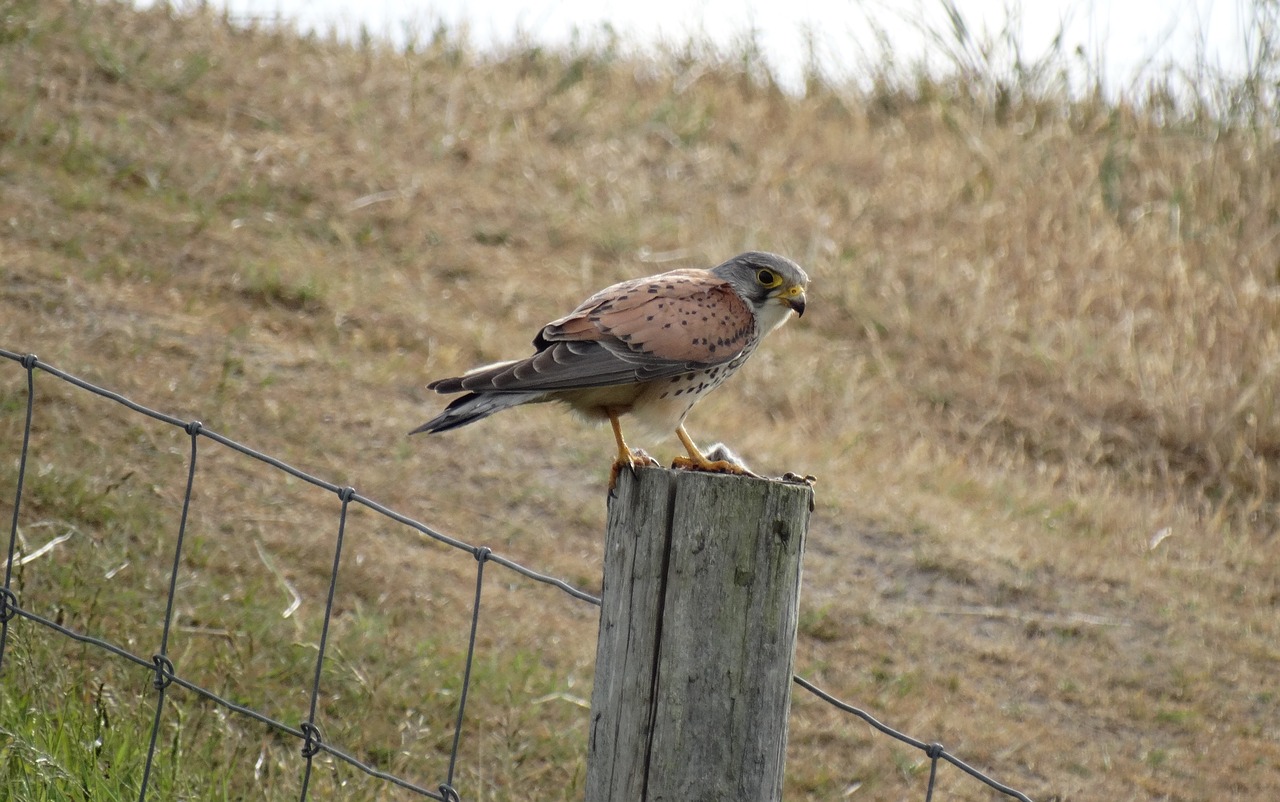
(69, 731)
(76, 719)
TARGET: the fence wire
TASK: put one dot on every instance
(164, 673)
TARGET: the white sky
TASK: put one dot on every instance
(1124, 37)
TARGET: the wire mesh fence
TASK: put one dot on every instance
(163, 673)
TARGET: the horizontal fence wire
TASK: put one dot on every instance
(164, 673)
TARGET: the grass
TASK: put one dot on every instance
(1041, 332)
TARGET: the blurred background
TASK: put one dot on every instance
(1119, 43)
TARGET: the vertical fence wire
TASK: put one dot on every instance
(164, 673)
(311, 746)
(8, 601)
(164, 666)
(482, 557)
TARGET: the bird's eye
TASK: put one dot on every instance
(768, 278)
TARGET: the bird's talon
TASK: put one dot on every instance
(635, 458)
(711, 466)
(642, 460)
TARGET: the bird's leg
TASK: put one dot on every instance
(627, 458)
(697, 462)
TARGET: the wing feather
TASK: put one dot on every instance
(689, 318)
(635, 331)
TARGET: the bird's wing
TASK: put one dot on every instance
(636, 331)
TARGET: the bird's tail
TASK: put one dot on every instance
(472, 407)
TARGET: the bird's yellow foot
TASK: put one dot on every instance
(710, 466)
(630, 460)
(725, 460)
(720, 451)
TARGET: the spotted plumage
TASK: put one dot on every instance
(649, 348)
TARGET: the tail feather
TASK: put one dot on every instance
(472, 407)
(474, 379)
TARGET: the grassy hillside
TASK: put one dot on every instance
(1036, 381)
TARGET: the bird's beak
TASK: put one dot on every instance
(793, 297)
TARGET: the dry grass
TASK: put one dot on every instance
(1040, 332)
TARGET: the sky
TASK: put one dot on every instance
(1123, 37)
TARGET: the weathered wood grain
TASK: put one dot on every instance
(697, 637)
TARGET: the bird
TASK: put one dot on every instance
(649, 348)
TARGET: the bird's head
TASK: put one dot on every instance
(773, 284)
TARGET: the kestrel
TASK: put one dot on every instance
(648, 347)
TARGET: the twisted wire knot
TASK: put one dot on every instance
(313, 739)
(8, 605)
(164, 672)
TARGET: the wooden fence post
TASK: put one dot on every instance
(697, 638)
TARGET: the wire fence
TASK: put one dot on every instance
(164, 674)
